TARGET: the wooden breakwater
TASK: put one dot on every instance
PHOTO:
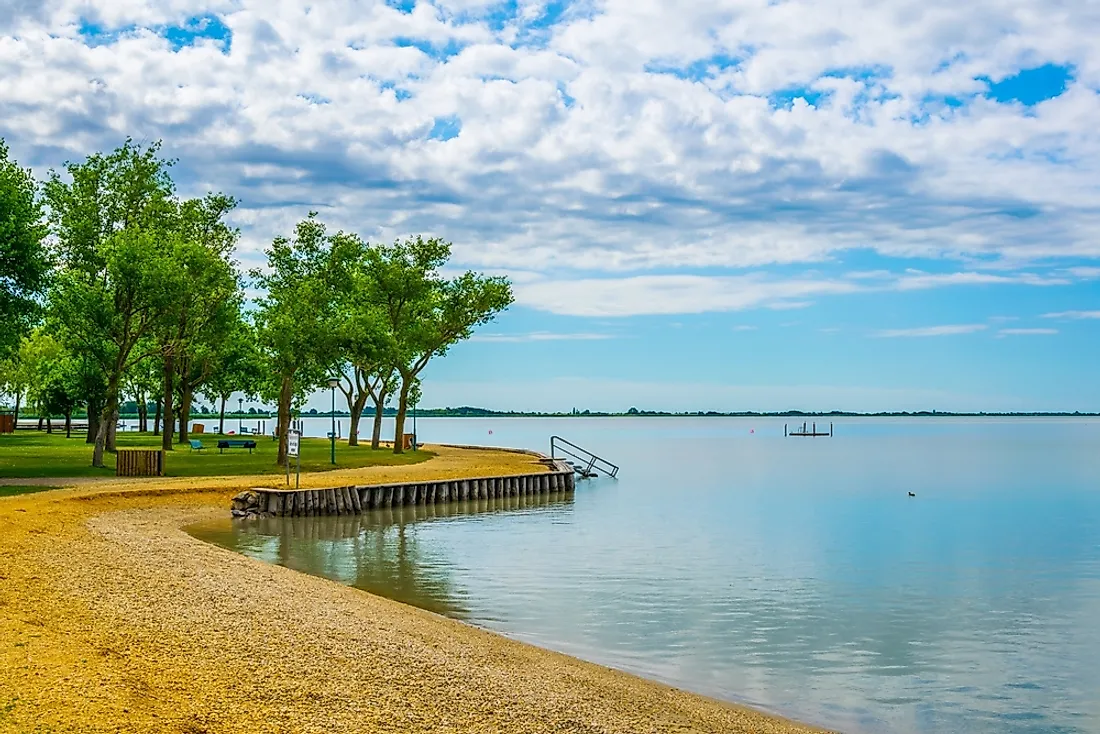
(354, 499)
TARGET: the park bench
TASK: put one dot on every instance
(196, 445)
(236, 443)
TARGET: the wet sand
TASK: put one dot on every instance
(112, 619)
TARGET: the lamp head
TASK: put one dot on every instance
(333, 382)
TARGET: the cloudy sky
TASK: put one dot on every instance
(746, 204)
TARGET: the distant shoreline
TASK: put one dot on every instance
(484, 413)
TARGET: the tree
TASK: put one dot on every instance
(112, 222)
(109, 317)
(23, 258)
(424, 313)
(367, 349)
(295, 321)
(237, 368)
(201, 320)
(56, 379)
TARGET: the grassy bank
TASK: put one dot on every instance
(34, 454)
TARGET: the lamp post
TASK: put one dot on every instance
(414, 425)
(240, 415)
(332, 383)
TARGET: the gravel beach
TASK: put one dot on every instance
(113, 619)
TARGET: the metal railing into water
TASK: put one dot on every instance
(588, 460)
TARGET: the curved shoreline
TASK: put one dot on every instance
(114, 619)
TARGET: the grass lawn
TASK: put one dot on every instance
(10, 490)
(37, 454)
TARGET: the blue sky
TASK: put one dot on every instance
(725, 205)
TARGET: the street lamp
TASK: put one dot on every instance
(332, 383)
(240, 415)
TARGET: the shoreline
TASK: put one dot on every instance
(118, 620)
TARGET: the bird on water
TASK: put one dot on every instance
(912, 495)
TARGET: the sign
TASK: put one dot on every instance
(292, 441)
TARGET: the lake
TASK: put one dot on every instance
(792, 574)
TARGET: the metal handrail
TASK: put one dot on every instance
(592, 460)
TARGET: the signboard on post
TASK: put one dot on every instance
(293, 445)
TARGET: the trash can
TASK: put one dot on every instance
(407, 441)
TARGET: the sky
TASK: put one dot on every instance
(721, 205)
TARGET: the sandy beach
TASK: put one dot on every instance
(113, 619)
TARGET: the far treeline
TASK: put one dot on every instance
(114, 288)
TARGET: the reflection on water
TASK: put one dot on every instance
(374, 551)
(793, 574)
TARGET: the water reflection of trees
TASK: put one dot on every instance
(377, 551)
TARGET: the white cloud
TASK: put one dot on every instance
(578, 153)
(921, 331)
(1073, 315)
(671, 294)
(1026, 332)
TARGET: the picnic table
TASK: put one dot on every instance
(236, 443)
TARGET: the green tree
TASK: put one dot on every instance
(367, 349)
(425, 313)
(56, 378)
(236, 368)
(296, 323)
(201, 321)
(23, 258)
(112, 217)
(107, 318)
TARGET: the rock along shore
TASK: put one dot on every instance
(112, 619)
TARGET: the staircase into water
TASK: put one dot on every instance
(584, 462)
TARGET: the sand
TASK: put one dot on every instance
(112, 619)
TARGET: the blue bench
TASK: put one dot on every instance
(236, 443)
(196, 444)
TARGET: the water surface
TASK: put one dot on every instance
(795, 574)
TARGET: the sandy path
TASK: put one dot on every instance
(112, 619)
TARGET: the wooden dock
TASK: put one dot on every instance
(352, 500)
(808, 431)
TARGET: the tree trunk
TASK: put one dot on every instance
(143, 413)
(69, 423)
(41, 420)
(49, 425)
(156, 418)
(110, 407)
(355, 408)
(95, 415)
(185, 412)
(399, 420)
(376, 435)
(166, 441)
(221, 417)
(18, 399)
(285, 395)
(112, 430)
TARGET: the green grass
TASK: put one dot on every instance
(37, 454)
(10, 490)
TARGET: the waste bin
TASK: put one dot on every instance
(408, 440)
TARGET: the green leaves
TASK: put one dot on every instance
(23, 261)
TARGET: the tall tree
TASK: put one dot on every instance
(23, 259)
(296, 321)
(202, 319)
(109, 317)
(367, 349)
(425, 313)
(112, 216)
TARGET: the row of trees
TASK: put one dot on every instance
(115, 287)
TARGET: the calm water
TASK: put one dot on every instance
(791, 574)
